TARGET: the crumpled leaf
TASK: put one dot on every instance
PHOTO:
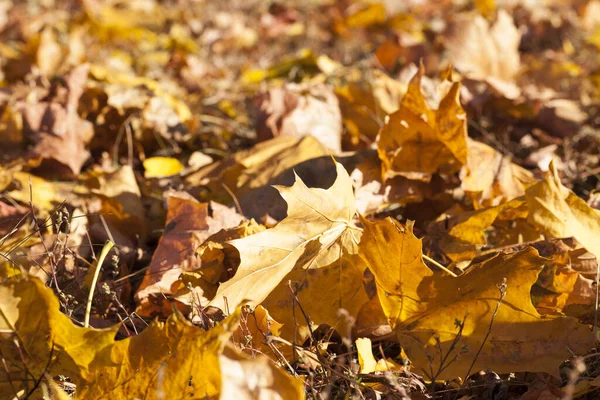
(520, 339)
(188, 224)
(417, 142)
(491, 178)
(58, 133)
(484, 52)
(298, 111)
(560, 213)
(316, 232)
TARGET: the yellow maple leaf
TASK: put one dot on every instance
(47, 339)
(394, 254)
(171, 358)
(560, 213)
(316, 232)
(435, 307)
(417, 142)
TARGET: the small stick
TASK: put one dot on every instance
(502, 289)
(440, 266)
(88, 308)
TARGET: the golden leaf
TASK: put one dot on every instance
(560, 213)
(417, 142)
(435, 307)
(160, 167)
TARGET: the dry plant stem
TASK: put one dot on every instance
(314, 340)
(502, 289)
(440, 266)
(88, 308)
(596, 302)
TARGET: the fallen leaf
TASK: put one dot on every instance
(188, 224)
(160, 167)
(434, 308)
(167, 357)
(394, 255)
(491, 178)
(365, 356)
(316, 232)
(484, 52)
(58, 133)
(560, 213)
(298, 111)
(251, 169)
(247, 378)
(47, 339)
(417, 142)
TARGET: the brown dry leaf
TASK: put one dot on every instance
(58, 133)
(246, 378)
(218, 261)
(559, 213)
(298, 111)
(251, 169)
(417, 142)
(317, 232)
(436, 306)
(188, 224)
(484, 52)
(491, 178)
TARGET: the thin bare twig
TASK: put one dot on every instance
(502, 289)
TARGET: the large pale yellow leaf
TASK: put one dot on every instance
(417, 142)
(317, 231)
(560, 213)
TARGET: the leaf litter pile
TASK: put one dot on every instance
(285, 200)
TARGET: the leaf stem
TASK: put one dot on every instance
(88, 308)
